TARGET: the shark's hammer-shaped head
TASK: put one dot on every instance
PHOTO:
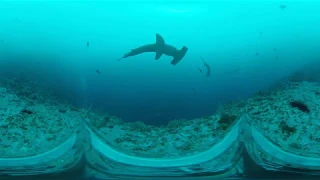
(180, 54)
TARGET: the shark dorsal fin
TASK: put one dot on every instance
(159, 42)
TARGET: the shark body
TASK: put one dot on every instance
(160, 48)
(207, 66)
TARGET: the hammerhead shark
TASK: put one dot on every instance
(159, 47)
(207, 66)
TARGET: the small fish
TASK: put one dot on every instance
(282, 7)
(257, 54)
(274, 49)
(200, 70)
(98, 72)
(88, 44)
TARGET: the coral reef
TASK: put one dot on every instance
(31, 127)
(289, 116)
(178, 138)
(226, 120)
(33, 121)
(300, 105)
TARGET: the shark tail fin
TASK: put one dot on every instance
(178, 57)
(159, 42)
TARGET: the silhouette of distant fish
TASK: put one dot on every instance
(207, 66)
(200, 70)
(98, 72)
(88, 44)
(282, 7)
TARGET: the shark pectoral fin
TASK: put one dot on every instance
(159, 40)
(158, 55)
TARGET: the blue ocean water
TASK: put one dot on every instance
(249, 46)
